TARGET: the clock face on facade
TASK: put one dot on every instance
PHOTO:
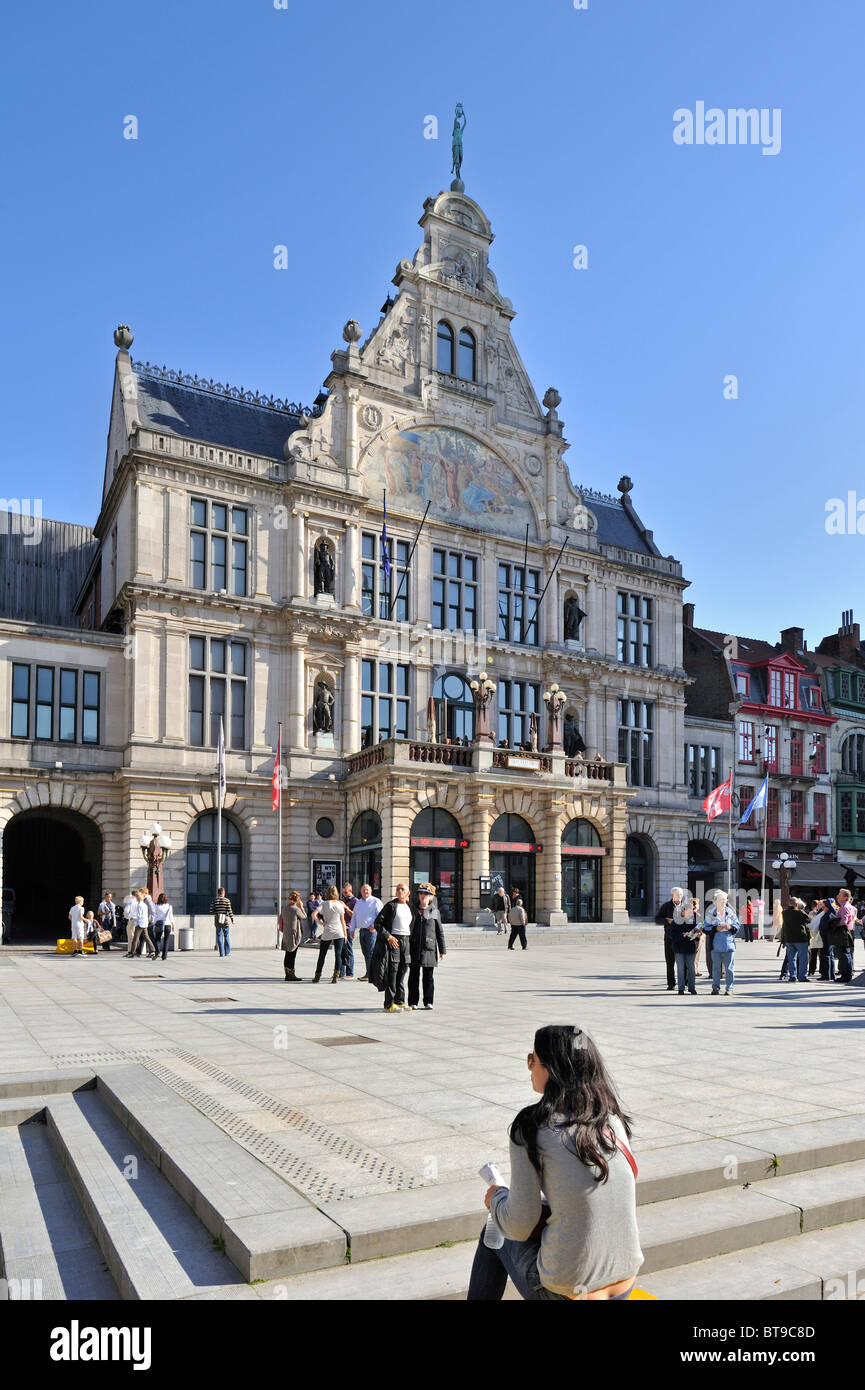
(465, 482)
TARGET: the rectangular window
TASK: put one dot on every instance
(818, 753)
(217, 690)
(636, 719)
(384, 702)
(845, 685)
(743, 684)
(634, 629)
(20, 701)
(519, 591)
(797, 810)
(796, 747)
(746, 796)
(691, 772)
(846, 813)
(90, 707)
(772, 812)
(746, 741)
(454, 591)
(517, 701)
(815, 697)
(774, 687)
(860, 813)
(389, 600)
(789, 690)
(68, 705)
(44, 702)
(820, 813)
(214, 527)
(770, 745)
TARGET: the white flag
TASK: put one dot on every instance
(220, 764)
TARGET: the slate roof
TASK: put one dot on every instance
(749, 648)
(615, 526)
(40, 582)
(193, 412)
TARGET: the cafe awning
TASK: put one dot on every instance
(810, 873)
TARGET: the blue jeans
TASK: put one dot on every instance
(727, 959)
(517, 1259)
(685, 969)
(347, 967)
(797, 961)
(223, 941)
(845, 964)
(367, 945)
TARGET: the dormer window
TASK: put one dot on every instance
(467, 355)
(445, 348)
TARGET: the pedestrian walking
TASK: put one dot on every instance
(366, 909)
(331, 919)
(142, 926)
(130, 918)
(292, 934)
(106, 914)
(748, 925)
(518, 918)
(578, 1238)
(499, 905)
(222, 920)
(346, 969)
(395, 923)
(722, 924)
(685, 932)
(795, 936)
(664, 918)
(163, 924)
(427, 947)
(77, 930)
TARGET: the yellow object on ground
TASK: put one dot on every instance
(641, 1293)
(66, 947)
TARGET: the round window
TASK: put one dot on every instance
(324, 828)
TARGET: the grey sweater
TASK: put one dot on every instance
(591, 1239)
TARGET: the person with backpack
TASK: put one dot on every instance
(222, 920)
(569, 1216)
(518, 919)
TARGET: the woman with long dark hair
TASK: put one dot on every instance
(581, 1242)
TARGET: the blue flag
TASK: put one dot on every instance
(385, 552)
(758, 800)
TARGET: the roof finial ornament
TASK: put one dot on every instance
(457, 186)
(123, 337)
(624, 486)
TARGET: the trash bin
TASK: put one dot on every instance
(184, 938)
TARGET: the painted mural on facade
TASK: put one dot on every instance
(463, 479)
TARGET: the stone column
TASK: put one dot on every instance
(548, 869)
(351, 699)
(297, 693)
(176, 560)
(477, 857)
(298, 554)
(351, 400)
(615, 897)
(351, 566)
(174, 682)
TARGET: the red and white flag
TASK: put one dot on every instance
(718, 801)
(276, 780)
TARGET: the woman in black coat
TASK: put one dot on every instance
(427, 948)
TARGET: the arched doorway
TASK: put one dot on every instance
(707, 868)
(364, 860)
(50, 856)
(512, 858)
(582, 858)
(455, 708)
(201, 882)
(639, 866)
(437, 845)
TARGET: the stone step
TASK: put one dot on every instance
(267, 1227)
(47, 1250)
(153, 1245)
(18, 1111)
(44, 1083)
(824, 1264)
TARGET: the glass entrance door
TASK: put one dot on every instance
(638, 879)
(581, 887)
(516, 871)
(442, 868)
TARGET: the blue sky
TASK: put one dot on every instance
(305, 127)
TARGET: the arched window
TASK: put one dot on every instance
(445, 348)
(467, 355)
(201, 877)
(455, 708)
(512, 830)
(853, 754)
(435, 824)
(364, 858)
(580, 833)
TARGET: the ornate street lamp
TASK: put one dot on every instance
(483, 690)
(554, 699)
(786, 865)
(155, 848)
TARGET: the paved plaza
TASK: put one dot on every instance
(349, 1102)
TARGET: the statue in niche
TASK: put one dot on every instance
(573, 619)
(324, 570)
(571, 740)
(322, 708)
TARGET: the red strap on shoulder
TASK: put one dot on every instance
(623, 1148)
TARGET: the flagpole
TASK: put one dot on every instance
(408, 561)
(765, 810)
(730, 838)
(219, 776)
(279, 835)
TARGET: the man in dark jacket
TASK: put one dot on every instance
(664, 918)
(837, 930)
(395, 923)
(499, 906)
(427, 947)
